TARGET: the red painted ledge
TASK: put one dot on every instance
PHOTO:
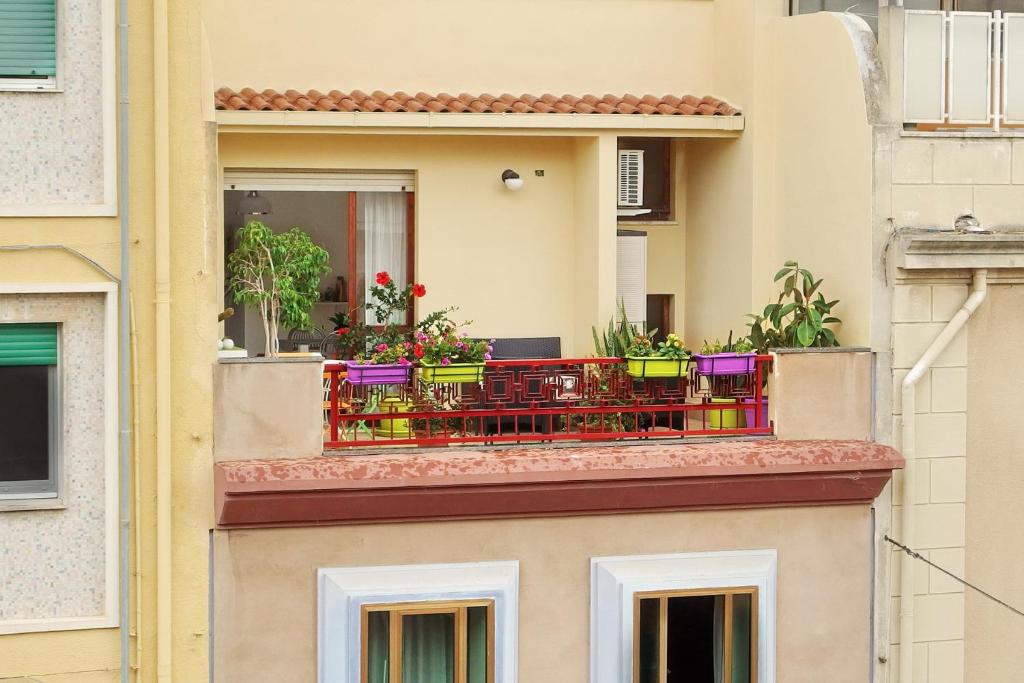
(470, 483)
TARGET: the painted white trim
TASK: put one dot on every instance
(342, 592)
(614, 580)
(109, 618)
(108, 207)
(450, 120)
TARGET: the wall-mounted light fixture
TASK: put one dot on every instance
(253, 204)
(511, 179)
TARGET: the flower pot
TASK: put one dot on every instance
(726, 418)
(655, 366)
(455, 373)
(725, 364)
(364, 373)
(395, 427)
(749, 412)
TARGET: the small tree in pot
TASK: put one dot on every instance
(279, 274)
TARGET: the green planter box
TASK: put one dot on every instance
(456, 373)
(655, 366)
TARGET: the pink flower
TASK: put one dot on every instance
(460, 345)
(489, 348)
(404, 361)
(446, 361)
(381, 347)
(487, 356)
(406, 345)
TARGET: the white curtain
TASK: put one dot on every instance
(382, 224)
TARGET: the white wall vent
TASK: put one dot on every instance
(631, 177)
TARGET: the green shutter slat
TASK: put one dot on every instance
(28, 38)
(28, 344)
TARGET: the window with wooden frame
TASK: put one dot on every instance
(696, 636)
(645, 179)
(428, 642)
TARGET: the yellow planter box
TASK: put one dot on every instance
(654, 366)
(456, 373)
(732, 418)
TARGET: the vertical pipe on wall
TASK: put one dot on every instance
(124, 348)
(162, 258)
(979, 289)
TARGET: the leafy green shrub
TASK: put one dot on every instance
(799, 316)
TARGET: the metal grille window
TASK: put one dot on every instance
(695, 636)
(28, 43)
(29, 410)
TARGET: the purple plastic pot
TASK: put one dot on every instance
(749, 412)
(725, 364)
(363, 373)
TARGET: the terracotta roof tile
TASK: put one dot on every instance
(249, 99)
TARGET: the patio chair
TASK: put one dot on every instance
(517, 348)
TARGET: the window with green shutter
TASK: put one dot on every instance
(29, 410)
(28, 39)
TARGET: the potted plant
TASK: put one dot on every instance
(279, 274)
(716, 359)
(668, 359)
(446, 355)
(798, 318)
(387, 360)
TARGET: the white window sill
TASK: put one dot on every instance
(648, 224)
(35, 502)
(9, 85)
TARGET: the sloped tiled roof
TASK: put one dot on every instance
(248, 99)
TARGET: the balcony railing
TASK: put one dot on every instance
(963, 69)
(545, 400)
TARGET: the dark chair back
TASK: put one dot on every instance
(527, 347)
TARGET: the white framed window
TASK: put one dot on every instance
(30, 414)
(372, 622)
(29, 44)
(729, 596)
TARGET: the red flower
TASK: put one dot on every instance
(383, 278)
(419, 290)
(418, 350)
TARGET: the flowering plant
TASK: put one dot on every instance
(640, 346)
(388, 342)
(439, 343)
(384, 354)
(673, 347)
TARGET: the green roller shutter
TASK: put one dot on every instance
(28, 344)
(28, 38)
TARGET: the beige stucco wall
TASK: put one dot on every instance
(995, 489)
(803, 406)
(518, 264)
(532, 46)
(823, 583)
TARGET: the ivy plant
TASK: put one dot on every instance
(279, 274)
(798, 318)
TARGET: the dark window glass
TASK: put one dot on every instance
(24, 423)
(691, 639)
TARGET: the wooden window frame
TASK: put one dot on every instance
(667, 215)
(396, 611)
(663, 598)
(353, 257)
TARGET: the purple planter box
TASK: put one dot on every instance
(361, 373)
(725, 364)
(749, 412)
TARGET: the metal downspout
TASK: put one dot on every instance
(124, 398)
(979, 290)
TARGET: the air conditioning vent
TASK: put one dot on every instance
(631, 177)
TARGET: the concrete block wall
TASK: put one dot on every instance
(934, 180)
(920, 310)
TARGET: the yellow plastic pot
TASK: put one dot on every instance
(456, 373)
(393, 427)
(726, 419)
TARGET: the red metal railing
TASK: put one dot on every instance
(538, 400)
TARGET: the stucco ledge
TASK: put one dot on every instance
(465, 483)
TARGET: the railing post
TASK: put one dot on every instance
(335, 381)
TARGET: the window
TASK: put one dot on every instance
(418, 623)
(435, 642)
(695, 636)
(865, 9)
(703, 617)
(29, 410)
(645, 179)
(28, 44)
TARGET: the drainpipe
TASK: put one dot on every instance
(162, 345)
(979, 289)
(124, 355)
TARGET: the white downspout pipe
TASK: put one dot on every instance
(979, 289)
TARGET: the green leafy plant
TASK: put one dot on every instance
(441, 344)
(621, 337)
(798, 318)
(741, 345)
(279, 274)
(673, 347)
